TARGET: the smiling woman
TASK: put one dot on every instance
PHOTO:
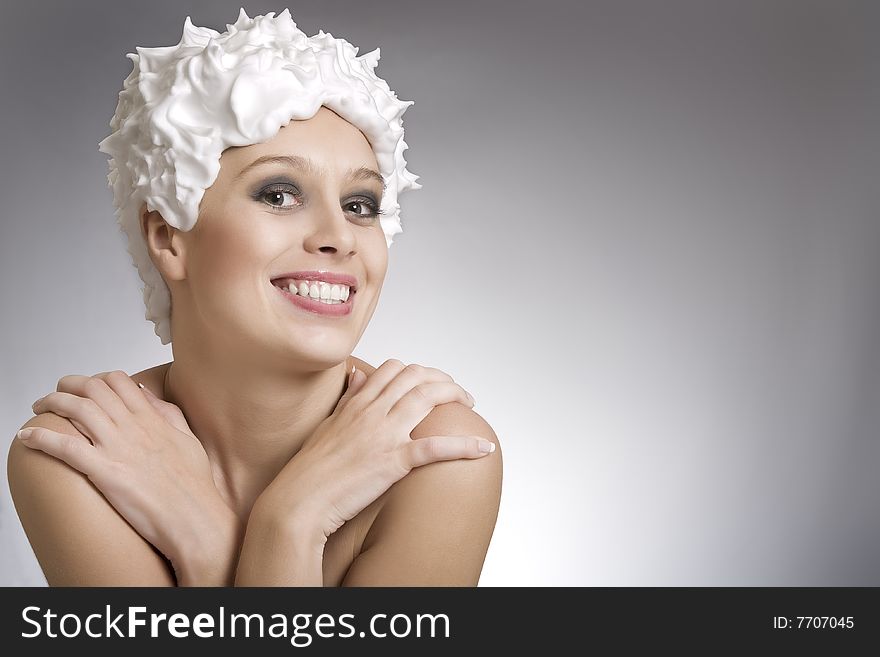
(269, 224)
(265, 453)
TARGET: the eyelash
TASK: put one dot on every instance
(289, 189)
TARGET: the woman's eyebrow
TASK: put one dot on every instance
(306, 164)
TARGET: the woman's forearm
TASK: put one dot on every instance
(280, 550)
(281, 545)
(210, 556)
(219, 571)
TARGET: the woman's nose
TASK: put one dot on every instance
(332, 230)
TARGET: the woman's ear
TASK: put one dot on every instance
(164, 244)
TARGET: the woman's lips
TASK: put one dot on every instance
(317, 307)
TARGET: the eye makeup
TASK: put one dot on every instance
(280, 185)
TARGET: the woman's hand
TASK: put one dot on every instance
(146, 461)
(364, 447)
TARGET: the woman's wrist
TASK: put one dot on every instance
(292, 500)
(209, 555)
(280, 549)
(286, 508)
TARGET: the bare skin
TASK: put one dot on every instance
(255, 377)
(344, 544)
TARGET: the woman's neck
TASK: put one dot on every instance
(251, 422)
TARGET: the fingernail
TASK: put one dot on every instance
(471, 397)
(487, 446)
(141, 386)
(33, 406)
(24, 434)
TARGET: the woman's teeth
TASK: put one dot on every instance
(320, 291)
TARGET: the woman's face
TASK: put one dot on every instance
(257, 223)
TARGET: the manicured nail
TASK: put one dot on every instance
(24, 434)
(34, 405)
(141, 386)
(487, 446)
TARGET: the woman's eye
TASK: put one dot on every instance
(364, 208)
(276, 197)
(286, 197)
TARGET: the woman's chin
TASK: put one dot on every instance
(325, 354)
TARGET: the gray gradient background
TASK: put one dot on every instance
(677, 205)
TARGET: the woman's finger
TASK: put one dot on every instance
(377, 381)
(126, 389)
(73, 450)
(171, 413)
(419, 401)
(356, 381)
(154, 401)
(408, 378)
(84, 413)
(446, 448)
(98, 391)
(158, 405)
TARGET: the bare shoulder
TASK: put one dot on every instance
(454, 419)
(475, 483)
(78, 538)
(435, 525)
